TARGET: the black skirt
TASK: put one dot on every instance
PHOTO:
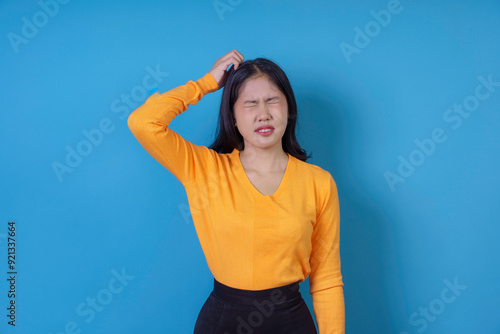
(272, 311)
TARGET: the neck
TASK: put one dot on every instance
(264, 160)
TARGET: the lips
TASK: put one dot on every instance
(264, 127)
(265, 130)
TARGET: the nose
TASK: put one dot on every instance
(264, 113)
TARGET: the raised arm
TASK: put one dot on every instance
(149, 122)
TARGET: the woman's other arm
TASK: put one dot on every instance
(325, 280)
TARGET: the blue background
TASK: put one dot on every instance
(118, 210)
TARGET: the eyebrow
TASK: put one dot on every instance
(274, 98)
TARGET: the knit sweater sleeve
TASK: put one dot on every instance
(325, 279)
(149, 125)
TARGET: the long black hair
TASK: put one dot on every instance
(227, 136)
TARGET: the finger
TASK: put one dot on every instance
(241, 59)
(233, 57)
(228, 55)
(236, 61)
(234, 54)
(233, 60)
(231, 70)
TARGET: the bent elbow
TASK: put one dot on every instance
(132, 121)
(137, 121)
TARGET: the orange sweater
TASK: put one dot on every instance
(251, 241)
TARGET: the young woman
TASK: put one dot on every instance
(265, 218)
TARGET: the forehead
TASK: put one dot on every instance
(259, 85)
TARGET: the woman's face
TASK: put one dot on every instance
(261, 103)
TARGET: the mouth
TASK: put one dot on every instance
(265, 130)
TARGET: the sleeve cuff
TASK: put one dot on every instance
(207, 84)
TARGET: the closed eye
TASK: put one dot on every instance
(254, 103)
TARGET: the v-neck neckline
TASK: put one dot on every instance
(283, 182)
